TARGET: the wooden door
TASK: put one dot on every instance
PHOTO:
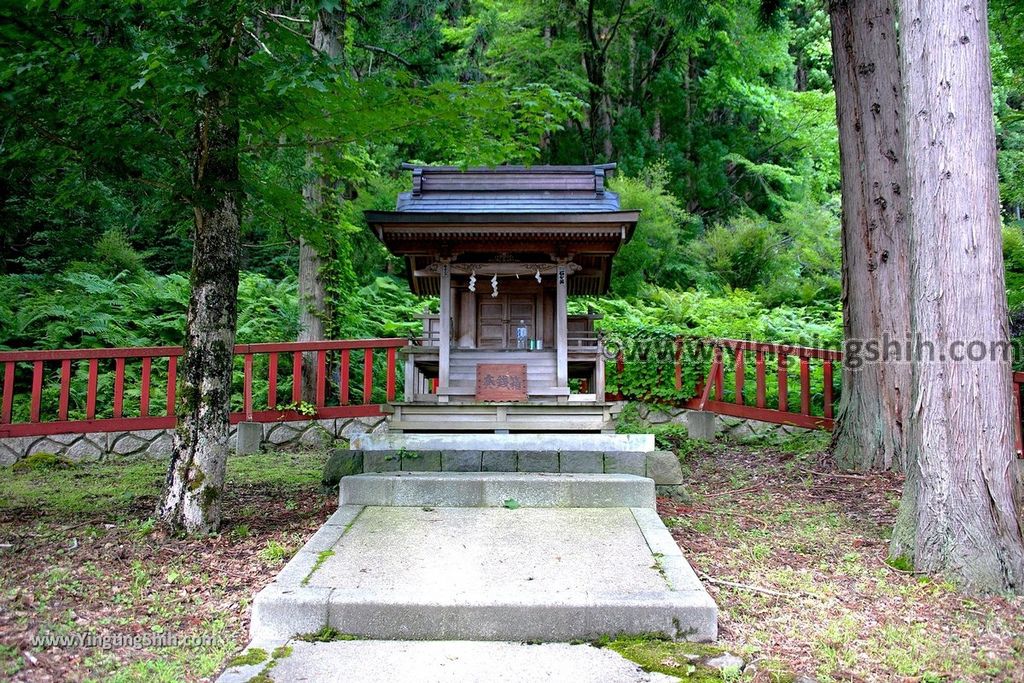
(491, 326)
(498, 317)
(521, 308)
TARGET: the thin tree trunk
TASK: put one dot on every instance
(958, 512)
(195, 477)
(875, 396)
(314, 309)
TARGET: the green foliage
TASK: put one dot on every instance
(743, 253)
(113, 255)
(656, 253)
(1013, 255)
(326, 634)
(88, 310)
(720, 115)
(645, 329)
(274, 552)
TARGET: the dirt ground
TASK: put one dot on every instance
(794, 553)
(804, 546)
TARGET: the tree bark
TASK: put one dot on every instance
(958, 513)
(875, 396)
(314, 309)
(195, 478)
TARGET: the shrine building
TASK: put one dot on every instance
(503, 249)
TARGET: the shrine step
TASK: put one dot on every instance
(472, 416)
(518, 441)
(487, 573)
(497, 489)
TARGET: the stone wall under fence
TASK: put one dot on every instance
(156, 443)
(732, 428)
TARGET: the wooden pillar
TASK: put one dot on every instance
(562, 327)
(599, 388)
(410, 378)
(444, 331)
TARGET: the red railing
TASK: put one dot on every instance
(63, 393)
(59, 392)
(814, 404)
(814, 407)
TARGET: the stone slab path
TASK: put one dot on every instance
(447, 551)
(437, 590)
(372, 661)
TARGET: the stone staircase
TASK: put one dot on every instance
(484, 556)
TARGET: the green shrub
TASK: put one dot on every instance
(744, 253)
(113, 254)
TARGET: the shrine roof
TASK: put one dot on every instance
(508, 189)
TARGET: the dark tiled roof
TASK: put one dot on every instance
(509, 189)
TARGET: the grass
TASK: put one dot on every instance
(91, 561)
(86, 556)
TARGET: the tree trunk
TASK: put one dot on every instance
(958, 513)
(314, 310)
(875, 396)
(195, 478)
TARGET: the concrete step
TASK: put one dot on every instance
(504, 442)
(493, 489)
(370, 661)
(525, 574)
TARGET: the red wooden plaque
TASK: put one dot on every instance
(500, 382)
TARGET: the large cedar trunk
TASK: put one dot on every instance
(195, 478)
(313, 305)
(958, 512)
(875, 396)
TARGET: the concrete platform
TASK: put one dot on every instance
(504, 442)
(371, 661)
(493, 489)
(545, 574)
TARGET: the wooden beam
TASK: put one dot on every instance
(562, 325)
(445, 330)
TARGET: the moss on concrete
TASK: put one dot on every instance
(250, 657)
(656, 654)
(320, 559)
(325, 635)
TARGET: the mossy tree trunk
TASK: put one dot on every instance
(314, 310)
(195, 479)
(875, 398)
(958, 514)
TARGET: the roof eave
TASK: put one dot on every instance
(374, 218)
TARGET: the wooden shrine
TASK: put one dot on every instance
(503, 249)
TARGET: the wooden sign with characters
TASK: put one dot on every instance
(501, 382)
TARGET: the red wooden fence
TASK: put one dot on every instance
(815, 405)
(337, 403)
(337, 361)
